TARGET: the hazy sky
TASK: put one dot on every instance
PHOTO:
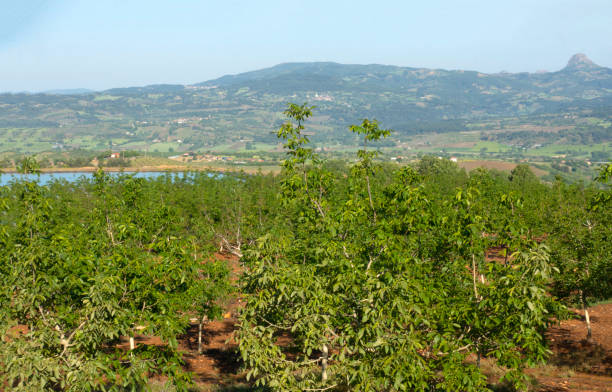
(57, 44)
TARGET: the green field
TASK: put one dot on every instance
(583, 151)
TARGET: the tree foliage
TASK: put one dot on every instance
(377, 286)
(80, 270)
(581, 238)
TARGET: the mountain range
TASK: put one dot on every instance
(248, 106)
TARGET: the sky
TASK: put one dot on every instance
(65, 44)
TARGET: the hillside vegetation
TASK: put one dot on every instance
(508, 111)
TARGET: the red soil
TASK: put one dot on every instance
(586, 366)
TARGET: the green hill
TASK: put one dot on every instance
(247, 107)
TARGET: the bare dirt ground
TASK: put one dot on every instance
(498, 165)
(578, 365)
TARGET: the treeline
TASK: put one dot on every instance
(75, 159)
(358, 276)
(582, 135)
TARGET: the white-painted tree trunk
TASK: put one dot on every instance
(202, 320)
(587, 317)
(588, 323)
(474, 277)
(324, 363)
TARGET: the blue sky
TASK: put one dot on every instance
(57, 44)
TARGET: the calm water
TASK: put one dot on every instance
(45, 178)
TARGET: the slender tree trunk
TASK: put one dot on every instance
(324, 364)
(367, 177)
(474, 277)
(202, 320)
(200, 337)
(506, 255)
(587, 318)
(131, 343)
(588, 323)
(370, 196)
(477, 297)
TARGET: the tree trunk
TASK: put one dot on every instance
(587, 318)
(370, 197)
(474, 277)
(505, 256)
(202, 320)
(588, 323)
(324, 364)
(131, 343)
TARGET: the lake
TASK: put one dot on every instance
(45, 178)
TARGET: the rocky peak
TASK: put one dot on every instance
(580, 62)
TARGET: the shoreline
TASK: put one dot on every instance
(147, 169)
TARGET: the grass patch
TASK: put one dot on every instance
(583, 150)
(106, 97)
(602, 302)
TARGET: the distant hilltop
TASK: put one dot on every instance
(71, 91)
(580, 61)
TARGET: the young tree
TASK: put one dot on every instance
(372, 286)
(28, 165)
(580, 239)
